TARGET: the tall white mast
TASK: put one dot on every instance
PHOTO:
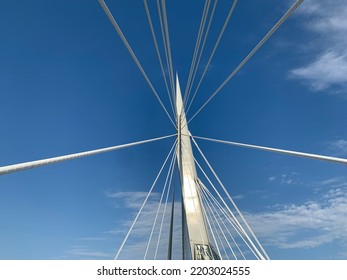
(200, 247)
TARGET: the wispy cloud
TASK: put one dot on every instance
(92, 238)
(335, 182)
(138, 240)
(131, 199)
(307, 225)
(328, 69)
(272, 178)
(85, 252)
(129, 203)
(285, 179)
(239, 196)
(338, 147)
(310, 224)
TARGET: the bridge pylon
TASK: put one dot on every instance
(194, 224)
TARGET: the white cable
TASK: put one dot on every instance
(216, 216)
(197, 46)
(209, 225)
(220, 228)
(256, 48)
(164, 211)
(162, 28)
(121, 35)
(213, 51)
(287, 152)
(235, 223)
(227, 218)
(234, 205)
(220, 220)
(166, 41)
(195, 49)
(159, 206)
(158, 53)
(37, 163)
(168, 45)
(230, 218)
(213, 203)
(202, 49)
(144, 202)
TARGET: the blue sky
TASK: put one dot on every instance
(68, 84)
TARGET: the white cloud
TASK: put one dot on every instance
(136, 245)
(285, 226)
(285, 179)
(238, 197)
(328, 69)
(329, 66)
(306, 225)
(339, 147)
(131, 199)
(336, 182)
(81, 251)
(92, 238)
(326, 15)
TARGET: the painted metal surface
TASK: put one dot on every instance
(197, 230)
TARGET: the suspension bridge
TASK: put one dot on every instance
(212, 226)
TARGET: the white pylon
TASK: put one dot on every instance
(200, 246)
